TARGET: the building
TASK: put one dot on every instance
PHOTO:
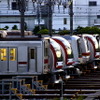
(86, 13)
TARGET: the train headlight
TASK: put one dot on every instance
(95, 67)
(69, 51)
(58, 53)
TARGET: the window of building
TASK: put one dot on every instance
(92, 3)
(65, 21)
(98, 16)
(14, 6)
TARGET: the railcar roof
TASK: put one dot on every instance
(21, 39)
(68, 37)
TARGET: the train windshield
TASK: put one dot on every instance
(98, 40)
(57, 50)
(96, 44)
(79, 48)
(68, 49)
(87, 42)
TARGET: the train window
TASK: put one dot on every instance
(46, 52)
(3, 54)
(79, 48)
(32, 53)
(12, 54)
(87, 44)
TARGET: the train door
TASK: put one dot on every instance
(32, 60)
(12, 59)
(3, 59)
(8, 59)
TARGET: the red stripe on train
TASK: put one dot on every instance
(70, 63)
(59, 67)
(22, 62)
(97, 56)
(46, 61)
(86, 54)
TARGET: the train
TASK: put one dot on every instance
(49, 58)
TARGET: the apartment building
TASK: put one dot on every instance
(85, 13)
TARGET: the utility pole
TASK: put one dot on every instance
(50, 16)
(22, 8)
(71, 16)
(38, 14)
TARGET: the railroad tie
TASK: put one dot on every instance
(93, 95)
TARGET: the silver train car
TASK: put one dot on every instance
(31, 56)
(24, 56)
(67, 54)
(67, 51)
(34, 55)
(93, 45)
(56, 59)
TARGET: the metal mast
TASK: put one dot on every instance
(50, 16)
(22, 8)
(71, 17)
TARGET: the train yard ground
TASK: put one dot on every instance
(83, 87)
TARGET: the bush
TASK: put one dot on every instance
(15, 27)
(43, 31)
(63, 32)
(88, 30)
(36, 29)
(6, 27)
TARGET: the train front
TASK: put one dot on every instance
(67, 55)
(94, 50)
(55, 61)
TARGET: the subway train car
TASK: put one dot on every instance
(55, 61)
(80, 49)
(75, 43)
(93, 45)
(56, 58)
(94, 49)
(67, 55)
(31, 56)
(24, 56)
(98, 39)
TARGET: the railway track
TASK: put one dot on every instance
(86, 86)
